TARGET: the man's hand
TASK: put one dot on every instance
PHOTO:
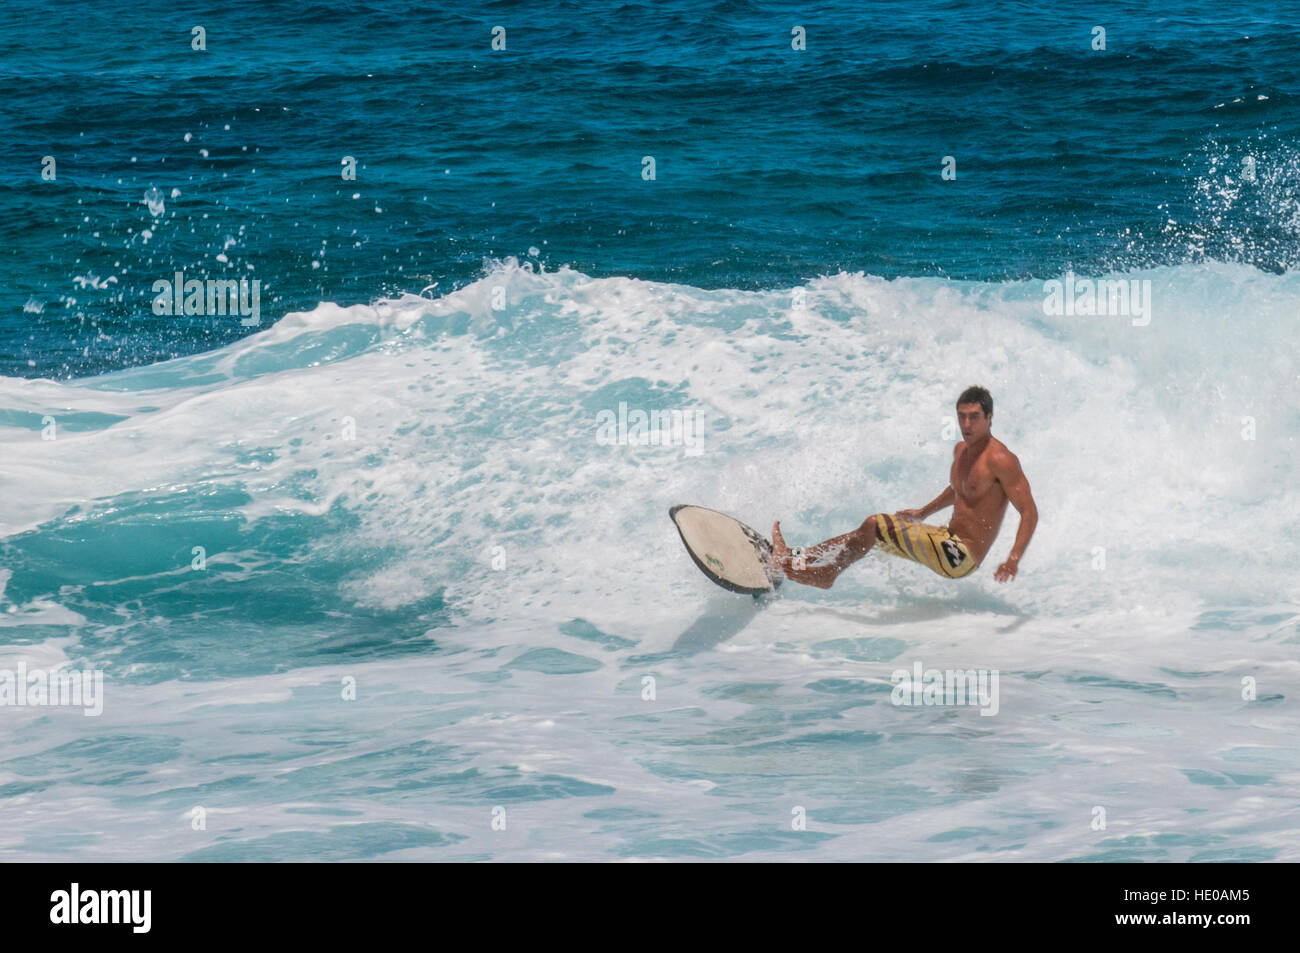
(914, 516)
(1007, 571)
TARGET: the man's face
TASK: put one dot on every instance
(974, 425)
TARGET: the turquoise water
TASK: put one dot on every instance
(499, 584)
(364, 581)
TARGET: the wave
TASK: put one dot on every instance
(425, 462)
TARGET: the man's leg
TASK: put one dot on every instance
(821, 564)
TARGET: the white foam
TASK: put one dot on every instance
(476, 428)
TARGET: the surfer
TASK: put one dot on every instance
(984, 476)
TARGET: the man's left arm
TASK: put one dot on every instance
(1007, 470)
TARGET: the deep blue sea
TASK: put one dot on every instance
(362, 580)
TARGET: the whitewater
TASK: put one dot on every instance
(369, 584)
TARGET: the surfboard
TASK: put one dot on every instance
(733, 555)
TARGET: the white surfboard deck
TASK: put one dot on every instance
(731, 554)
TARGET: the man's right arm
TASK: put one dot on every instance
(945, 499)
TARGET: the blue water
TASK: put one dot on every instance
(362, 579)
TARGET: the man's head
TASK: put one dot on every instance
(974, 413)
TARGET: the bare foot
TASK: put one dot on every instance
(780, 551)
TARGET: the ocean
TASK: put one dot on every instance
(306, 337)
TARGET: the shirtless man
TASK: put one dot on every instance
(984, 476)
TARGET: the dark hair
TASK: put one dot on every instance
(977, 395)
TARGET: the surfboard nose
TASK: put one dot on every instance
(730, 553)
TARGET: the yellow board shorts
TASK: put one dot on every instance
(931, 546)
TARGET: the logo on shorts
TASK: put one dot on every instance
(953, 552)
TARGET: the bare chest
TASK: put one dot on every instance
(972, 479)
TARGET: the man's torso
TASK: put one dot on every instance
(981, 502)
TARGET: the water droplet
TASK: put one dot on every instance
(154, 199)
